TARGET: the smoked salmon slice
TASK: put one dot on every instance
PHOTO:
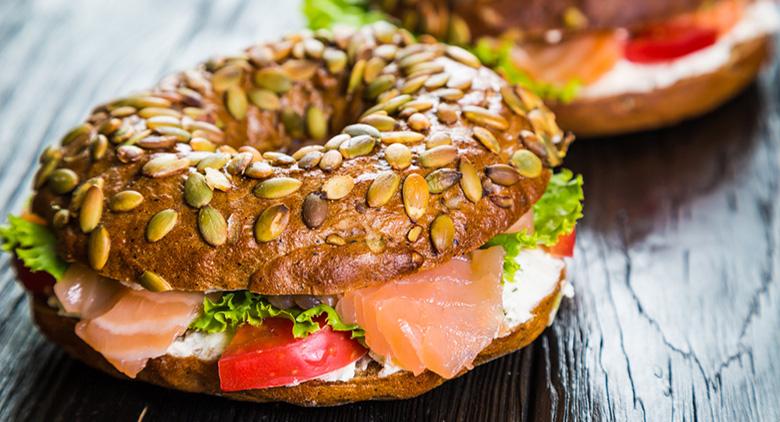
(128, 327)
(438, 319)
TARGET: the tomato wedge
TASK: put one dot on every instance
(565, 245)
(269, 356)
(668, 41)
(38, 282)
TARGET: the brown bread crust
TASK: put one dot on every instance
(685, 99)
(196, 376)
(349, 240)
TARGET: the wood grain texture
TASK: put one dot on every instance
(677, 305)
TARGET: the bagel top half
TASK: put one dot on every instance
(312, 165)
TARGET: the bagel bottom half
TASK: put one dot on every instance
(194, 375)
(687, 98)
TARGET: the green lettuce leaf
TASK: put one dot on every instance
(499, 57)
(236, 308)
(33, 244)
(555, 214)
(326, 13)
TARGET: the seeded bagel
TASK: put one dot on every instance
(300, 167)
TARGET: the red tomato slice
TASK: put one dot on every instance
(565, 245)
(269, 355)
(38, 282)
(668, 41)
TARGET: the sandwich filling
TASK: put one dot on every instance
(437, 320)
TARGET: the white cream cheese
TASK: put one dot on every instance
(537, 278)
(760, 18)
(203, 346)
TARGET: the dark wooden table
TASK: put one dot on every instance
(677, 307)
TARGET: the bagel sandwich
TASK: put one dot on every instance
(642, 65)
(333, 217)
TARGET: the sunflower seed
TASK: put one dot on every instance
(272, 222)
(160, 121)
(356, 76)
(133, 139)
(502, 174)
(125, 201)
(297, 155)
(335, 59)
(278, 158)
(129, 153)
(336, 141)
(265, 99)
(402, 136)
(485, 117)
(316, 123)
(399, 156)
(392, 105)
(313, 48)
(414, 233)
(212, 226)
(418, 122)
(157, 111)
(448, 94)
(463, 56)
(487, 139)
(442, 179)
(438, 138)
(416, 58)
(236, 102)
(362, 129)
(260, 170)
(181, 135)
(91, 209)
(439, 156)
(373, 68)
(415, 196)
(357, 146)
(442, 233)
(384, 31)
(378, 86)
(165, 165)
(278, 187)
(527, 163)
(437, 81)
(512, 100)
(331, 160)
(98, 248)
(161, 224)
(412, 85)
(382, 189)
(447, 114)
(379, 121)
(386, 51)
(157, 142)
(300, 70)
(239, 163)
(428, 69)
(123, 111)
(273, 79)
(153, 282)
(63, 180)
(338, 187)
(336, 240)
(314, 210)
(469, 182)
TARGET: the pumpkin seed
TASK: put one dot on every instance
(336, 141)
(153, 282)
(357, 146)
(331, 160)
(373, 68)
(265, 99)
(335, 59)
(125, 201)
(419, 105)
(464, 56)
(386, 51)
(439, 156)
(98, 248)
(437, 81)
(63, 180)
(487, 139)
(469, 182)
(51, 153)
(161, 224)
(259, 170)
(527, 163)
(399, 156)
(314, 210)
(412, 85)
(338, 187)
(316, 123)
(414, 233)
(448, 94)
(273, 79)
(79, 132)
(310, 160)
(415, 196)
(227, 77)
(239, 163)
(392, 105)
(402, 136)
(160, 121)
(380, 85)
(212, 226)
(91, 209)
(512, 100)
(123, 111)
(382, 189)
(278, 158)
(43, 173)
(460, 81)
(272, 222)
(98, 147)
(132, 140)
(217, 180)
(297, 155)
(502, 174)
(483, 116)
(427, 69)
(416, 58)
(157, 111)
(236, 102)
(214, 161)
(362, 129)
(164, 165)
(419, 122)
(442, 179)
(379, 121)
(109, 126)
(336, 240)
(376, 244)
(442, 233)
(300, 70)
(277, 187)
(202, 144)
(157, 142)
(293, 123)
(356, 76)
(129, 153)
(78, 195)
